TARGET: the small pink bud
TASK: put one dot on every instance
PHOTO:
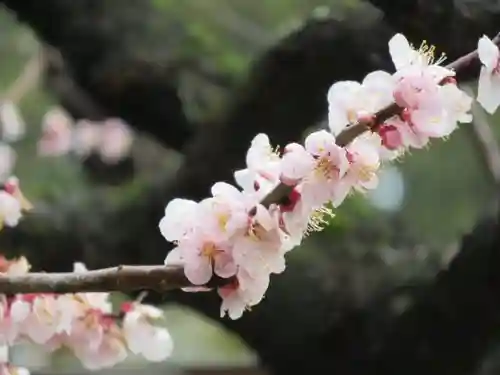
(449, 80)
(10, 188)
(349, 156)
(406, 115)
(391, 137)
(127, 307)
(293, 198)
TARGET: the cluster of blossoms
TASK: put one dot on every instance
(82, 322)
(111, 139)
(237, 235)
(12, 200)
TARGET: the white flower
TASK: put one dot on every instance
(350, 101)
(488, 94)
(50, 316)
(13, 125)
(10, 321)
(86, 137)
(10, 210)
(142, 337)
(364, 164)
(115, 141)
(263, 167)
(108, 351)
(457, 103)
(318, 166)
(57, 127)
(178, 219)
(408, 59)
(241, 294)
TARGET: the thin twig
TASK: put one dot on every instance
(164, 278)
(26, 81)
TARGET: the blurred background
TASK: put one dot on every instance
(399, 235)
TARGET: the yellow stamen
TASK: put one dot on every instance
(318, 220)
(326, 168)
(367, 172)
(352, 116)
(428, 52)
(222, 220)
(209, 249)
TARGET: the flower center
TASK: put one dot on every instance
(256, 232)
(222, 220)
(326, 169)
(367, 171)
(428, 53)
(209, 250)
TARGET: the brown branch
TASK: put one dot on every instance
(121, 278)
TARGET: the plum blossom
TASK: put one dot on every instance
(227, 211)
(10, 210)
(429, 111)
(204, 232)
(457, 103)
(319, 167)
(9, 321)
(139, 328)
(263, 167)
(202, 255)
(57, 128)
(104, 353)
(15, 267)
(258, 250)
(50, 315)
(488, 91)
(408, 60)
(13, 125)
(111, 139)
(115, 140)
(12, 186)
(86, 137)
(351, 101)
(242, 293)
(364, 163)
(178, 219)
(426, 105)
